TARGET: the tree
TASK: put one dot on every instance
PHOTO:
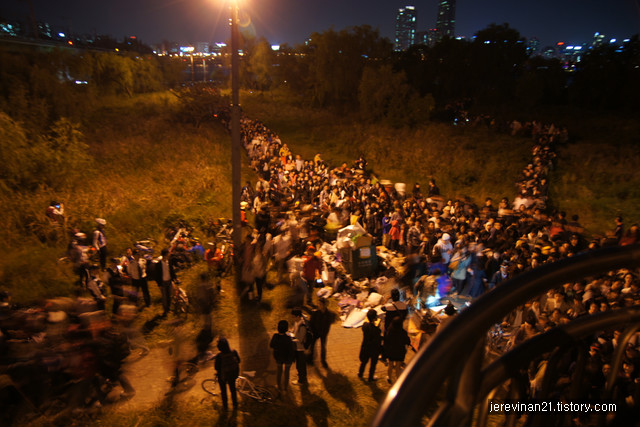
(199, 103)
(290, 71)
(384, 95)
(261, 61)
(147, 76)
(334, 62)
(113, 74)
(497, 58)
(54, 159)
(172, 70)
(542, 83)
(608, 77)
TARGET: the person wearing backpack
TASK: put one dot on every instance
(394, 308)
(227, 364)
(300, 329)
(284, 352)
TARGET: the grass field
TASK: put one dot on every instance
(150, 171)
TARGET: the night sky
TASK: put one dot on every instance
(291, 21)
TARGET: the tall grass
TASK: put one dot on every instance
(147, 167)
(598, 181)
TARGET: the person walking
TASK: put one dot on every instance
(260, 264)
(227, 365)
(116, 282)
(284, 352)
(320, 323)
(299, 332)
(165, 275)
(136, 269)
(100, 241)
(205, 298)
(371, 344)
(311, 271)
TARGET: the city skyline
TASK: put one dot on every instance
(292, 21)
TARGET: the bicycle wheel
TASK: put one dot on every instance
(187, 370)
(210, 385)
(243, 386)
(263, 395)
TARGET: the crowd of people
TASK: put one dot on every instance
(451, 247)
(74, 346)
(448, 247)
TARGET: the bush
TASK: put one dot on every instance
(199, 103)
(54, 160)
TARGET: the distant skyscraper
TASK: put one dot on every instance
(533, 46)
(405, 28)
(446, 23)
(428, 37)
(598, 40)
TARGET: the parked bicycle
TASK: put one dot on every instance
(180, 300)
(226, 265)
(183, 378)
(244, 386)
(145, 246)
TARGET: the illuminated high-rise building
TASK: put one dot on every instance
(428, 37)
(446, 22)
(598, 40)
(405, 28)
(533, 46)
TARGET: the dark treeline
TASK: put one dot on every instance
(356, 69)
(46, 99)
(43, 95)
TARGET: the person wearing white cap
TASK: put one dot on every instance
(444, 248)
(100, 241)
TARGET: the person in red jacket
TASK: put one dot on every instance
(311, 270)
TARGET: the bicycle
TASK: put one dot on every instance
(220, 229)
(183, 380)
(145, 245)
(226, 265)
(180, 300)
(244, 386)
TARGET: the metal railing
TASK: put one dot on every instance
(455, 356)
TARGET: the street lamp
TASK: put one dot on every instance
(235, 132)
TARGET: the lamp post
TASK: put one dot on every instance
(235, 132)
